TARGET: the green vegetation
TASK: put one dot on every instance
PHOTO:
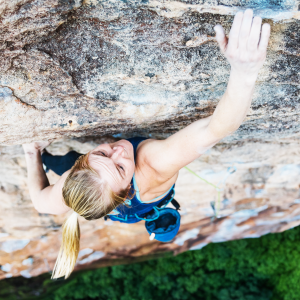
(249, 269)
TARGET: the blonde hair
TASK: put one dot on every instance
(90, 197)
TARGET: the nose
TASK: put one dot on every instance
(118, 150)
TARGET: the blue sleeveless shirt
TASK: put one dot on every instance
(135, 210)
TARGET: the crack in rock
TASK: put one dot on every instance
(7, 94)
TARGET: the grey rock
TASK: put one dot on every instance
(75, 71)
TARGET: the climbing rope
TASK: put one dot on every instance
(216, 209)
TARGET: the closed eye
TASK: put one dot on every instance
(118, 167)
(100, 153)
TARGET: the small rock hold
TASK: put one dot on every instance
(150, 75)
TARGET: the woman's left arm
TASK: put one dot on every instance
(37, 179)
(46, 198)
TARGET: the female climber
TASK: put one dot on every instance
(100, 182)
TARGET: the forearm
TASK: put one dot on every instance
(245, 50)
(234, 105)
(37, 179)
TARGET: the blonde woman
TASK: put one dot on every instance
(99, 182)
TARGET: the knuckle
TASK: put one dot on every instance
(243, 35)
(262, 55)
(251, 46)
(233, 35)
(230, 55)
(244, 58)
(257, 19)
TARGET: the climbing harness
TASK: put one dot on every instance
(161, 222)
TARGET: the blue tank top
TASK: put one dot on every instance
(134, 210)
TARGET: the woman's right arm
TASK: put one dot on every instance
(246, 53)
(45, 198)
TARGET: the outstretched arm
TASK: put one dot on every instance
(246, 52)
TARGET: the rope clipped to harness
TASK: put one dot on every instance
(215, 208)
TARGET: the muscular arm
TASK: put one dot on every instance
(246, 52)
(45, 198)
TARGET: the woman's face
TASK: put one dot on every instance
(114, 163)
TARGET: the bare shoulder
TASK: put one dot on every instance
(52, 198)
(151, 182)
(58, 186)
(147, 152)
(167, 157)
(143, 164)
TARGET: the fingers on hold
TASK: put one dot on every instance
(221, 37)
(249, 11)
(219, 30)
(235, 30)
(266, 28)
(246, 24)
(254, 34)
(223, 45)
(237, 21)
(265, 34)
(257, 21)
(238, 16)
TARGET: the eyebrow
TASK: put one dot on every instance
(99, 154)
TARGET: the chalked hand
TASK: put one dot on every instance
(246, 46)
(36, 146)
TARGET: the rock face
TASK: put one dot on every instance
(78, 70)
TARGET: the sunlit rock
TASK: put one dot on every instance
(87, 72)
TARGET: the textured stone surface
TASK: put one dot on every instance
(74, 69)
(261, 196)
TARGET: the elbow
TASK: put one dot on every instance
(38, 208)
(36, 201)
(222, 132)
(232, 130)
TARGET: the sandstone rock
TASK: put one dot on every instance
(76, 71)
(105, 67)
(261, 196)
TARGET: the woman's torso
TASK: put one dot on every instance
(146, 179)
(144, 196)
(150, 187)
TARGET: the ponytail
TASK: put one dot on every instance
(69, 249)
(91, 197)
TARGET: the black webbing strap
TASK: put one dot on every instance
(173, 201)
(175, 204)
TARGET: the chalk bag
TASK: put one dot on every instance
(165, 227)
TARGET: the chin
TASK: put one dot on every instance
(127, 145)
